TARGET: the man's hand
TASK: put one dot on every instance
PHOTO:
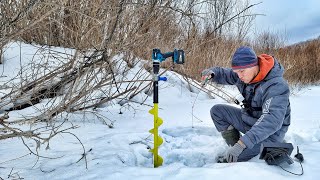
(234, 152)
(206, 75)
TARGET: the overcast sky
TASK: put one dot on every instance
(298, 19)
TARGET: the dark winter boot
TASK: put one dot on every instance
(231, 136)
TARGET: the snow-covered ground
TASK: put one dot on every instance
(191, 142)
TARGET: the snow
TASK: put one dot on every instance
(191, 142)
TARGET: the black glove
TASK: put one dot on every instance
(206, 75)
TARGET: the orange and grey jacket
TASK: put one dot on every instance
(267, 95)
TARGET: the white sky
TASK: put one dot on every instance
(298, 19)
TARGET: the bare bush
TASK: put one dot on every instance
(268, 42)
(211, 40)
(1, 55)
(98, 31)
(302, 62)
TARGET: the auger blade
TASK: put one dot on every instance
(152, 131)
(159, 142)
(158, 161)
(159, 121)
(152, 111)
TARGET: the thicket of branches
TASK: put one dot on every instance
(98, 30)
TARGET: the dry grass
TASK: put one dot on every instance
(302, 62)
(136, 27)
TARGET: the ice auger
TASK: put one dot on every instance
(157, 58)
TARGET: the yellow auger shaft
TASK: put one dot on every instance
(157, 58)
(157, 160)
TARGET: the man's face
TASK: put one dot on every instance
(246, 75)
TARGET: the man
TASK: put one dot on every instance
(265, 115)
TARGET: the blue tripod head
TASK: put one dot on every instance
(177, 56)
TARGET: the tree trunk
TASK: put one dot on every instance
(1, 54)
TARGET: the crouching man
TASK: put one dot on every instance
(265, 115)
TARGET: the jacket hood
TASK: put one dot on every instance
(267, 64)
